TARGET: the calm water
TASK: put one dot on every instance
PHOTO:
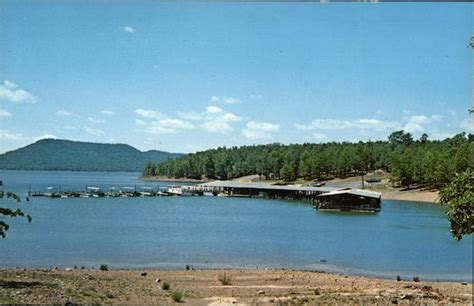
(406, 238)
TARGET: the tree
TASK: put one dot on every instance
(424, 138)
(459, 196)
(288, 171)
(8, 212)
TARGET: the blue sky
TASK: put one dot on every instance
(185, 77)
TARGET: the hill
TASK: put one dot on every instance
(55, 154)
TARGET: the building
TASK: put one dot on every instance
(349, 200)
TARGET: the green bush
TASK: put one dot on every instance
(104, 268)
(177, 296)
(416, 279)
(165, 286)
(225, 280)
(398, 278)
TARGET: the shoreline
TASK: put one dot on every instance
(247, 286)
(168, 179)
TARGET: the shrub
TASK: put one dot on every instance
(416, 279)
(317, 291)
(165, 286)
(225, 280)
(398, 278)
(104, 268)
(177, 296)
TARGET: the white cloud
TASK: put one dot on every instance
(94, 132)
(190, 116)
(11, 92)
(413, 128)
(417, 123)
(255, 97)
(303, 127)
(164, 126)
(107, 112)
(140, 122)
(216, 126)
(320, 137)
(129, 29)
(213, 110)
(212, 119)
(150, 114)
(336, 124)
(94, 120)
(7, 135)
(65, 113)
(175, 124)
(260, 130)
(467, 125)
(440, 135)
(228, 117)
(5, 113)
(44, 136)
(216, 120)
(230, 100)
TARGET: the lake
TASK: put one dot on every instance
(405, 238)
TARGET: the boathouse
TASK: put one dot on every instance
(265, 190)
(349, 200)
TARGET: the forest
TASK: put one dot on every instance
(411, 162)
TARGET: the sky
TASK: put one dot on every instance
(189, 76)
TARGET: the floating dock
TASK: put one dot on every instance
(323, 198)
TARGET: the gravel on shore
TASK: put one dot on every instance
(269, 286)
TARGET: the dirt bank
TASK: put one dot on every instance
(203, 287)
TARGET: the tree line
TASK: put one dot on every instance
(420, 163)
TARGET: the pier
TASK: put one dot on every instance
(322, 197)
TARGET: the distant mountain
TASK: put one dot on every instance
(55, 154)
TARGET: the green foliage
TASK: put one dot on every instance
(421, 163)
(225, 279)
(459, 195)
(53, 154)
(177, 296)
(104, 267)
(165, 286)
(9, 212)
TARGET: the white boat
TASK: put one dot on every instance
(175, 190)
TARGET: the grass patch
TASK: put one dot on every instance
(225, 280)
(177, 296)
(165, 286)
(104, 267)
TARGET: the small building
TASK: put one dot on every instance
(349, 200)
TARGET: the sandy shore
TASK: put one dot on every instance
(203, 287)
(418, 195)
(415, 195)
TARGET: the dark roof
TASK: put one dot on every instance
(266, 186)
(364, 193)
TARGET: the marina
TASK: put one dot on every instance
(322, 197)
